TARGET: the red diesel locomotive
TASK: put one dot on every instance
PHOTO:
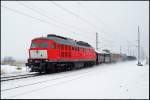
(52, 53)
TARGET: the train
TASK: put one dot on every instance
(55, 53)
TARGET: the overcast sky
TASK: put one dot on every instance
(115, 22)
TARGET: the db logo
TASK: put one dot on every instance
(37, 51)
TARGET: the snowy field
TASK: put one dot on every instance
(7, 70)
(124, 80)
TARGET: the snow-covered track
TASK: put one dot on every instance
(61, 78)
(7, 78)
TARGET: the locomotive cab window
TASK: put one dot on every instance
(52, 45)
(43, 44)
(34, 45)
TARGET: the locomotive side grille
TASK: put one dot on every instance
(38, 54)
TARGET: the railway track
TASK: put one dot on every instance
(44, 81)
(7, 78)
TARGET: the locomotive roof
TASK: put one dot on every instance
(41, 38)
(64, 40)
(68, 41)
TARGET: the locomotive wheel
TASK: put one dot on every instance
(68, 67)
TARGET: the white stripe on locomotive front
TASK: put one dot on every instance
(38, 54)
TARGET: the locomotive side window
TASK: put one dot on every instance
(34, 45)
(43, 44)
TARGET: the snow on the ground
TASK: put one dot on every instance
(123, 80)
(7, 70)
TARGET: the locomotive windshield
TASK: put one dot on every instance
(43, 44)
(34, 45)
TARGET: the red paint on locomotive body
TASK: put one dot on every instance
(50, 49)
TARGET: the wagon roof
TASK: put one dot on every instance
(99, 51)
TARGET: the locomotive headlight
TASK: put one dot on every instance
(36, 61)
(30, 60)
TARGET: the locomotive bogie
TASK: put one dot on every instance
(54, 66)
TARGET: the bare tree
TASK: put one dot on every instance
(8, 60)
